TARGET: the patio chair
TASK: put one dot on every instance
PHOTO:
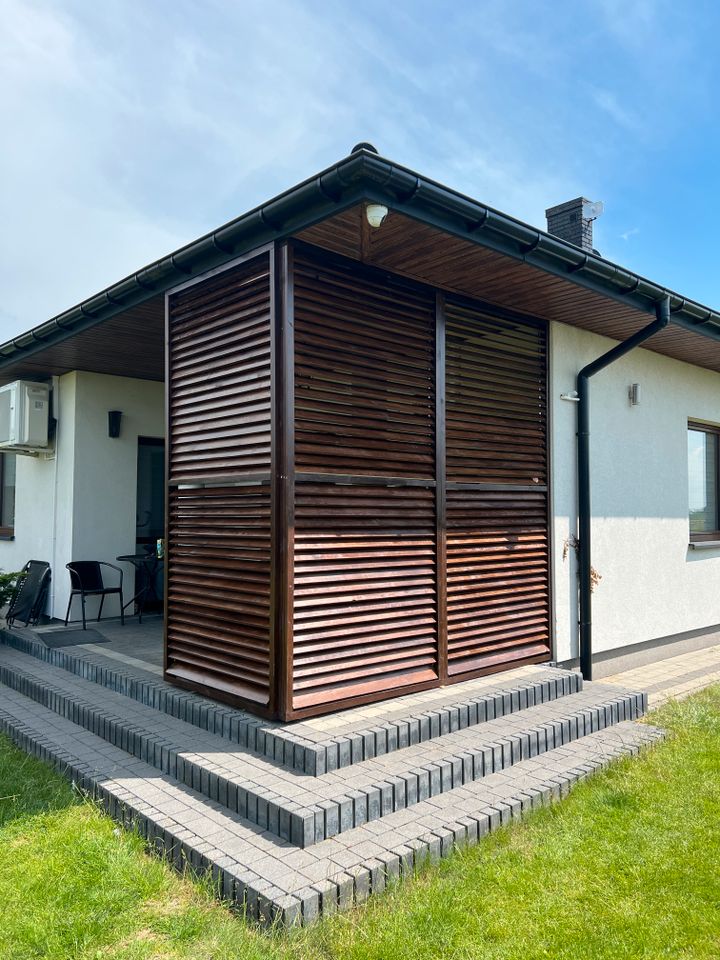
(28, 599)
(86, 579)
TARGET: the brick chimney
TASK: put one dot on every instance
(573, 221)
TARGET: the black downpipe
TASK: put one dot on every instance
(662, 311)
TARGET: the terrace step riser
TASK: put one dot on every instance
(400, 792)
(302, 825)
(156, 752)
(433, 724)
(282, 745)
(258, 897)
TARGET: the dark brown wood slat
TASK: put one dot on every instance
(196, 677)
(497, 578)
(365, 597)
(495, 369)
(364, 372)
(219, 376)
(219, 544)
(218, 555)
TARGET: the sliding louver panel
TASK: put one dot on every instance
(365, 578)
(497, 501)
(219, 500)
(365, 590)
(219, 378)
(364, 393)
(218, 588)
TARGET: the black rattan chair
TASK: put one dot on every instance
(86, 579)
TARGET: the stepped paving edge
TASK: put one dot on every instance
(308, 746)
(333, 875)
(306, 810)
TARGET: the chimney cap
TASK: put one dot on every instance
(364, 145)
(577, 203)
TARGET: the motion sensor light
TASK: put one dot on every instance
(375, 213)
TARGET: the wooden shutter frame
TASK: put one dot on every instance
(330, 258)
(492, 488)
(283, 475)
(346, 280)
(271, 708)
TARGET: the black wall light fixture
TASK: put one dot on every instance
(114, 418)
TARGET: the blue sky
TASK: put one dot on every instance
(132, 126)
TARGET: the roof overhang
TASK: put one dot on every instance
(485, 253)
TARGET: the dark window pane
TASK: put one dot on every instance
(702, 481)
(7, 506)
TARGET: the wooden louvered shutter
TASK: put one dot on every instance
(219, 499)
(365, 578)
(497, 497)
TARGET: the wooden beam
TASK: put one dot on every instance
(440, 482)
(283, 475)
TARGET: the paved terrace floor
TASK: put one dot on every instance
(675, 677)
(140, 646)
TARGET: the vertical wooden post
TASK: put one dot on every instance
(440, 486)
(166, 494)
(283, 477)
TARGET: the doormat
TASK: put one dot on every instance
(70, 637)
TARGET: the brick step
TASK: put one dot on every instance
(329, 743)
(264, 875)
(305, 809)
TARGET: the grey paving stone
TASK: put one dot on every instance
(274, 739)
(253, 866)
(328, 895)
(309, 904)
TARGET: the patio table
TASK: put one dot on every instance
(147, 566)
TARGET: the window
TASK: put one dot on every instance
(7, 494)
(703, 485)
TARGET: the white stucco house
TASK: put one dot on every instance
(81, 497)
(654, 422)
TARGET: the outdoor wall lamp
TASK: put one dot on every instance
(114, 418)
(634, 394)
(375, 214)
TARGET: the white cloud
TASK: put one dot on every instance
(132, 127)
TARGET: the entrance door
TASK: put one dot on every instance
(150, 518)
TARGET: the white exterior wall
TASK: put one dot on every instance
(41, 533)
(652, 585)
(88, 493)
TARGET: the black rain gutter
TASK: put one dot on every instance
(366, 176)
(662, 319)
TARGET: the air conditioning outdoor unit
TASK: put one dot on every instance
(24, 417)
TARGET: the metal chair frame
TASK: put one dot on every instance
(102, 591)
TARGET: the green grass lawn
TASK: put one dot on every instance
(628, 866)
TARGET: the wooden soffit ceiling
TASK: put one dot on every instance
(130, 344)
(422, 252)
